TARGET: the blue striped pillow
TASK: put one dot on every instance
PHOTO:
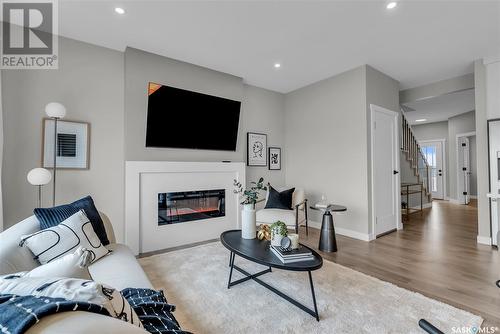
(49, 217)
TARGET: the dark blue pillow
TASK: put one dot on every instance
(49, 217)
(279, 200)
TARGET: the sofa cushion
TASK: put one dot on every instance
(83, 323)
(50, 217)
(119, 269)
(279, 200)
(269, 216)
(54, 242)
(12, 257)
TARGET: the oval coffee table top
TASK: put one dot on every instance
(258, 251)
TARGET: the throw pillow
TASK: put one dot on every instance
(50, 217)
(72, 265)
(55, 242)
(279, 200)
(73, 289)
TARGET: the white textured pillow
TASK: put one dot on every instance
(57, 241)
(73, 289)
(70, 265)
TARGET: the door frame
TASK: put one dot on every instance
(445, 166)
(460, 135)
(397, 184)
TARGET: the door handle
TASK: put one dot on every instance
(394, 172)
(440, 174)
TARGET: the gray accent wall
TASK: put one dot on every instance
(143, 67)
(89, 82)
(108, 89)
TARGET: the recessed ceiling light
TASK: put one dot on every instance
(392, 5)
(277, 65)
(421, 120)
(120, 10)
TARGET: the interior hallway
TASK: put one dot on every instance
(435, 254)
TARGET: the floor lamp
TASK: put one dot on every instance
(39, 177)
(55, 111)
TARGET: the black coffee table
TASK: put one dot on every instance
(258, 251)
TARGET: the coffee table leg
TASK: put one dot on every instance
(231, 263)
(313, 295)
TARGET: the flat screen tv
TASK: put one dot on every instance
(181, 118)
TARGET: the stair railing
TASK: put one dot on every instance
(414, 153)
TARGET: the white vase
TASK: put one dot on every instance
(248, 224)
(276, 238)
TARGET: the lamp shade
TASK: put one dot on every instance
(55, 110)
(39, 176)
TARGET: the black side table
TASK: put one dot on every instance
(327, 240)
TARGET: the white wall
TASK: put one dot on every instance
(325, 129)
(483, 212)
(89, 82)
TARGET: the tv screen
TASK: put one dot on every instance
(184, 119)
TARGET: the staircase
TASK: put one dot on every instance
(418, 163)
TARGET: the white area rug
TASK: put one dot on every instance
(195, 280)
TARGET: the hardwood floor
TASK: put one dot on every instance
(435, 254)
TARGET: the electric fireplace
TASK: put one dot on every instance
(185, 206)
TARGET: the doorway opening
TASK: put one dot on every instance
(435, 153)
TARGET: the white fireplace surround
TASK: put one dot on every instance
(145, 179)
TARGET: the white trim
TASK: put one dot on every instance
(135, 170)
(445, 166)
(455, 201)
(491, 60)
(460, 135)
(397, 183)
(344, 231)
(483, 240)
(473, 196)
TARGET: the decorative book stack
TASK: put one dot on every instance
(288, 255)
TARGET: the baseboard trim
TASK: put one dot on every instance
(424, 206)
(454, 201)
(483, 240)
(473, 196)
(345, 232)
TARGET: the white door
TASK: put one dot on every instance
(463, 170)
(433, 152)
(494, 162)
(385, 170)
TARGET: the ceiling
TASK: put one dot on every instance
(440, 108)
(416, 43)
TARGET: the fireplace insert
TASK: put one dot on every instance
(185, 206)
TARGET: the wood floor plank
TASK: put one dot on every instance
(435, 254)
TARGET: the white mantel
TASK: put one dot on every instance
(145, 179)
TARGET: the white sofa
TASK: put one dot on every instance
(118, 269)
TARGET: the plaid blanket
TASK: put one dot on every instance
(19, 313)
(154, 311)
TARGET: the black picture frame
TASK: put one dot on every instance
(273, 165)
(256, 154)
